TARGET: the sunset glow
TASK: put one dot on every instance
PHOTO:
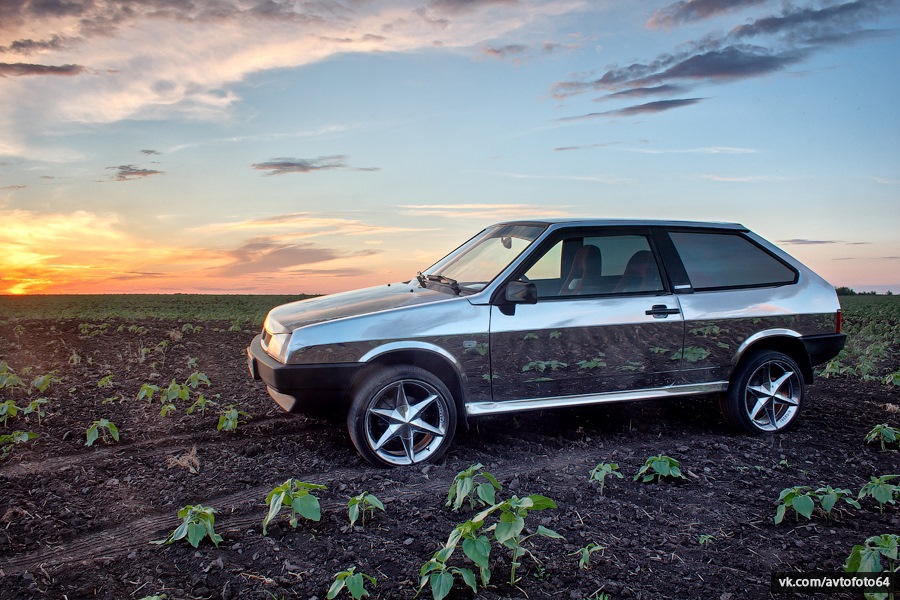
(288, 147)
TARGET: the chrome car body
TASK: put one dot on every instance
(508, 341)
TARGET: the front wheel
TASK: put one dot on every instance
(765, 395)
(401, 415)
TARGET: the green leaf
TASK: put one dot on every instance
(541, 530)
(804, 505)
(92, 435)
(541, 502)
(828, 501)
(113, 430)
(477, 550)
(335, 589)
(509, 527)
(353, 513)
(372, 500)
(195, 533)
(275, 503)
(308, 506)
(355, 585)
(469, 579)
(486, 493)
(779, 513)
(441, 584)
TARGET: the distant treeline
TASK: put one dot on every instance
(845, 291)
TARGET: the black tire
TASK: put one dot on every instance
(386, 434)
(766, 394)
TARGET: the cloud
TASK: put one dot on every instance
(131, 172)
(639, 109)
(151, 152)
(763, 46)
(13, 187)
(502, 52)
(303, 224)
(695, 10)
(481, 211)
(280, 166)
(743, 178)
(807, 242)
(134, 52)
(267, 255)
(23, 69)
(705, 150)
(587, 147)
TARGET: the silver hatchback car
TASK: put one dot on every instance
(544, 314)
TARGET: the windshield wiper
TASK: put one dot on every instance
(444, 280)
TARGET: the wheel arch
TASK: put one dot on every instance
(785, 341)
(431, 358)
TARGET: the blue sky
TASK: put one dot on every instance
(287, 147)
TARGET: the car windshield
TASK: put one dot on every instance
(476, 263)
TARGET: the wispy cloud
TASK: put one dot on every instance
(13, 187)
(25, 69)
(303, 224)
(639, 109)
(743, 178)
(281, 166)
(482, 211)
(695, 10)
(130, 55)
(762, 46)
(151, 152)
(704, 150)
(131, 172)
(808, 242)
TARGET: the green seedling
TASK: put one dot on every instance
(106, 382)
(882, 491)
(196, 378)
(297, 495)
(867, 558)
(584, 554)
(601, 471)
(34, 408)
(102, 428)
(11, 440)
(706, 539)
(464, 488)
(197, 523)
(8, 377)
(230, 418)
(884, 434)
(42, 382)
(353, 581)
(8, 410)
(440, 576)
(199, 405)
(659, 467)
(509, 530)
(829, 496)
(358, 506)
(148, 390)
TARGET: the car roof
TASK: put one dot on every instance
(587, 222)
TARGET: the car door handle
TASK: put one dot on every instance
(660, 311)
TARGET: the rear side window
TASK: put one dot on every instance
(725, 260)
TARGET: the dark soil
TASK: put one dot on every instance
(77, 521)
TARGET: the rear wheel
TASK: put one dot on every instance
(401, 415)
(766, 394)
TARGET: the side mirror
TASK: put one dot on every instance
(521, 292)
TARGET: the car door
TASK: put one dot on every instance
(605, 320)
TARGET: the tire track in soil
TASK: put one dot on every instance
(103, 454)
(109, 543)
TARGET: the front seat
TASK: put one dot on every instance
(585, 275)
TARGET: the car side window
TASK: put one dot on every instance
(596, 265)
(726, 260)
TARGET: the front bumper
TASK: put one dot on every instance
(302, 388)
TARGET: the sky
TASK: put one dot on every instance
(274, 146)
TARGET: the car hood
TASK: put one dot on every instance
(288, 317)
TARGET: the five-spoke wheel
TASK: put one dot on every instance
(766, 393)
(401, 415)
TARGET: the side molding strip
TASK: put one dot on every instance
(474, 409)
